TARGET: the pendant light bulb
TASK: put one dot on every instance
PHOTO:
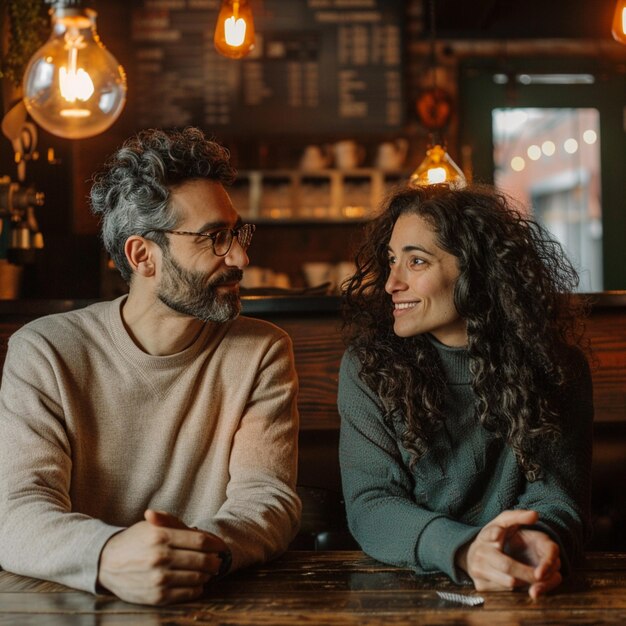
(73, 87)
(437, 167)
(234, 31)
(619, 22)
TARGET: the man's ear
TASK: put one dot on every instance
(141, 255)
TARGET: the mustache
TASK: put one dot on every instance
(229, 276)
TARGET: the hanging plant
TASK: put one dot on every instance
(27, 29)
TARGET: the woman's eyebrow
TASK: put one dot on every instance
(412, 248)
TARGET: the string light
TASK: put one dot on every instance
(518, 164)
(548, 148)
(590, 136)
(570, 146)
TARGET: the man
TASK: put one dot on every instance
(149, 444)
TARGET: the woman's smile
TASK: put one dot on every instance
(400, 308)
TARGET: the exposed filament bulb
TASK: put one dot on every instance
(234, 31)
(74, 82)
(235, 28)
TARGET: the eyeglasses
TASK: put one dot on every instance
(222, 240)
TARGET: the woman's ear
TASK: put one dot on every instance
(140, 253)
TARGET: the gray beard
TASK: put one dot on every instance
(189, 293)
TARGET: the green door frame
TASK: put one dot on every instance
(479, 95)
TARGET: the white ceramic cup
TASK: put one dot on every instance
(253, 277)
(318, 273)
(343, 271)
(348, 154)
(313, 158)
(390, 156)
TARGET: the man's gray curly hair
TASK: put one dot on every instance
(131, 193)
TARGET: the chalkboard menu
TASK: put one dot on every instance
(318, 66)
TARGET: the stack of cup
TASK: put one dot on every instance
(320, 273)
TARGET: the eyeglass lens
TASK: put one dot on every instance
(244, 235)
(224, 239)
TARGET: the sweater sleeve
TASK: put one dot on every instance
(382, 513)
(562, 496)
(261, 514)
(41, 536)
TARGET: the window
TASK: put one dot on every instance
(549, 159)
(551, 132)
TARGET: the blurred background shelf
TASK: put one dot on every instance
(315, 196)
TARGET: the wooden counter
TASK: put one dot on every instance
(319, 588)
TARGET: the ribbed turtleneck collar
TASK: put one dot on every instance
(455, 362)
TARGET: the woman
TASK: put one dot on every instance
(466, 404)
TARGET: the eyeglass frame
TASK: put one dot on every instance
(234, 234)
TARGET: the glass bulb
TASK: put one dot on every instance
(234, 31)
(73, 87)
(619, 22)
(437, 167)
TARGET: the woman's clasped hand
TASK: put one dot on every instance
(506, 555)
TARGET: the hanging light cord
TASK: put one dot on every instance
(435, 135)
(433, 40)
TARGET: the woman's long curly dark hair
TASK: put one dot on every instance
(514, 293)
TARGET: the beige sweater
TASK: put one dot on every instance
(93, 431)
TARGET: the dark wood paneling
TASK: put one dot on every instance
(318, 348)
(606, 328)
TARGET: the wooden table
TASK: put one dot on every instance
(317, 588)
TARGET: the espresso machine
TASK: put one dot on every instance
(20, 237)
(18, 225)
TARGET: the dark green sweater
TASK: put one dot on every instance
(421, 518)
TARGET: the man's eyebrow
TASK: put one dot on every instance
(412, 249)
(218, 225)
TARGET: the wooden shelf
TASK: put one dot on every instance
(306, 221)
(312, 197)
